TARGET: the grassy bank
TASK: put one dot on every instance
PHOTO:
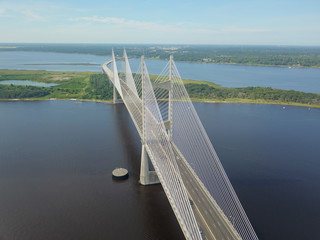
(71, 85)
(91, 86)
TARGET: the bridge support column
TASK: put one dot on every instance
(147, 177)
(115, 96)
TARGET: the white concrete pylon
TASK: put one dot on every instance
(116, 75)
(128, 74)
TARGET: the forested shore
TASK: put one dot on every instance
(96, 87)
(281, 56)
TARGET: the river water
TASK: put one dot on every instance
(56, 159)
(300, 79)
(27, 83)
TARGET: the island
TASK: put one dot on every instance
(94, 86)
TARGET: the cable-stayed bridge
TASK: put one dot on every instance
(185, 162)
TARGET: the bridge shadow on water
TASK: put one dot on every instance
(55, 177)
(155, 212)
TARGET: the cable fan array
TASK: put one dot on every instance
(166, 120)
(190, 137)
(143, 107)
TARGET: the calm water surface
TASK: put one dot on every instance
(27, 83)
(300, 79)
(56, 159)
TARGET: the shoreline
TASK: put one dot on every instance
(192, 100)
(241, 64)
(164, 59)
(92, 86)
(262, 103)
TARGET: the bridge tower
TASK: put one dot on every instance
(116, 96)
(147, 177)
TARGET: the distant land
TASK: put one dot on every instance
(92, 86)
(280, 56)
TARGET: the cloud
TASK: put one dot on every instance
(33, 16)
(5, 13)
(31, 11)
(235, 29)
(100, 19)
(142, 25)
(17, 13)
(180, 27)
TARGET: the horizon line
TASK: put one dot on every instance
(172, 44)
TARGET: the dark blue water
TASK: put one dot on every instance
(300, 79)
(56, 159)
(272, 156)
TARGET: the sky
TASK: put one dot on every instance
(244, 22)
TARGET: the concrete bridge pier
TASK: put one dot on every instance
(115, 96)
(147, 177)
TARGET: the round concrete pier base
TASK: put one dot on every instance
(120, 173)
